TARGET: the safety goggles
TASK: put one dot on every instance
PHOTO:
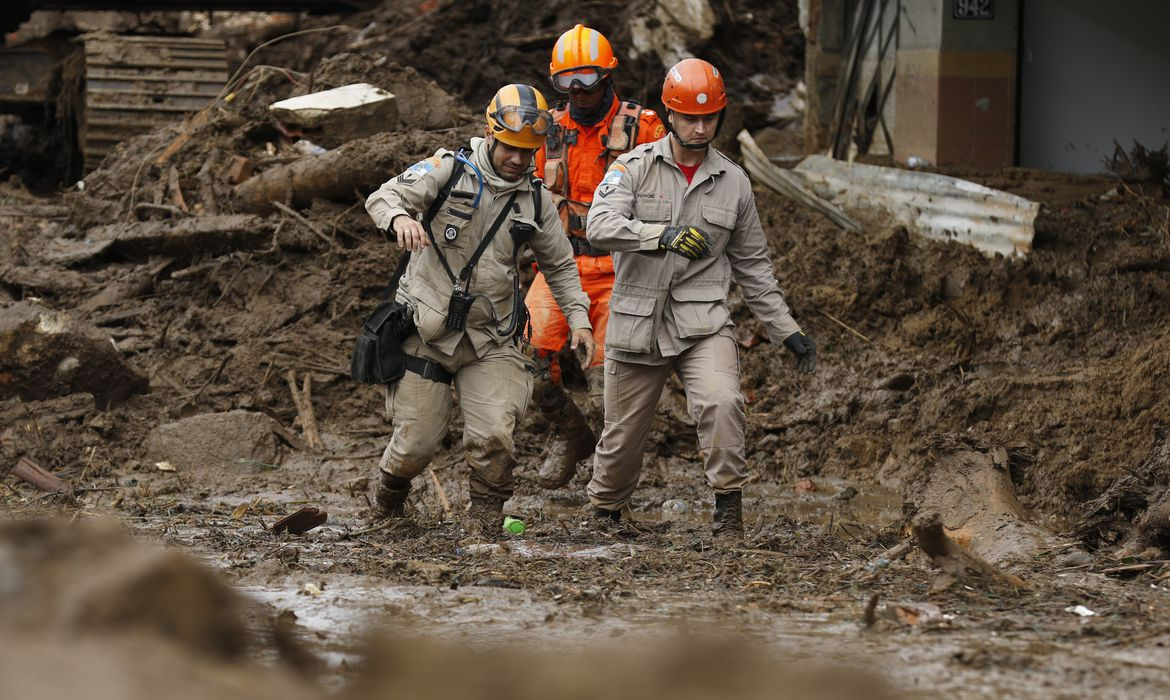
(583, 78)
(515, 118)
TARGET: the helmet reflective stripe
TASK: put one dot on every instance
(594, 49)
(527, 96)
(561, 47)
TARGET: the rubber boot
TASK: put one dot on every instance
(572, 438)
(390, 496)
(728, 516)
(485, 519)
(595, 399)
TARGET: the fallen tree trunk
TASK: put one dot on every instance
(359, 166)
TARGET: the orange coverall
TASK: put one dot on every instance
(587, 161)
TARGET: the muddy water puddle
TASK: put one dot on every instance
(334, 614)
(823, 502)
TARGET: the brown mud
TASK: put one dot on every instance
(936, 363)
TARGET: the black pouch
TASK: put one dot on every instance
(378, 357)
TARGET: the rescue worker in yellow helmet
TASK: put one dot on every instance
(681, 220)
(463, 217)
(591, 130)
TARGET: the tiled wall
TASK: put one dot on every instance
(956, 107)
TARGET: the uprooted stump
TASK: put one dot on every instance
(46, 353)
(969, 485)
(1134, 512)
(953, 559)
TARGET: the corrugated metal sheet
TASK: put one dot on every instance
(936, 206)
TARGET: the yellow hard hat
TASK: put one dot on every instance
(518, 116)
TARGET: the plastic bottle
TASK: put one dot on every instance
(514, 526)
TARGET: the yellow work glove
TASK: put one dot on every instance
(691, 242)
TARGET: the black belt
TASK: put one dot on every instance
(577, 222)
(582, 247)
(428, 370)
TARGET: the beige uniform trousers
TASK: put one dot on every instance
(709, 371)
(493, 395)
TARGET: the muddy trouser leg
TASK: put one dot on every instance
(710, 375)
(420, 409)
(631, 396)
(493, 394)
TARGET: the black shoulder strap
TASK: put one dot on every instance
(465, 273)
(432, 211)
(444, 193)
(536, 199)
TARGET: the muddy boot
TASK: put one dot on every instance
(607, 517)
(728, 525)
(485, 519)
(572, 438)
(390, 497)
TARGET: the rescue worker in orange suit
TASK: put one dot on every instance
(589, 133)
(681, 220)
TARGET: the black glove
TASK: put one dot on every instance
(805, 350)
(690, 242)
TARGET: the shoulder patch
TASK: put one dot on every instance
(659, 131)
(416, 172)
(612, 177)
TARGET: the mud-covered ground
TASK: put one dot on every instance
(926, 350)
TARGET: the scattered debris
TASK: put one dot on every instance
(33, 473)
(49, 353)
(953, 559)
(672, 29)
(902, 614)
(300, 522)
(1134, 512)
(805, 486)
(336, 116)
(1140, 164)
(1080, 610)
(303, 400)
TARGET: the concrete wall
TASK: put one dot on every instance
(956, 85)
(1092, 72)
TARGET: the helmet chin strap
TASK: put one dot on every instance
(695, 146)
(692, 146)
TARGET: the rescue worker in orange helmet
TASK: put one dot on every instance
(681, 220)
(588, 134)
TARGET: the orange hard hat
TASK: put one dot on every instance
(582, 47)
(693, 86)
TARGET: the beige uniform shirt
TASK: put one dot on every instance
(458, 229)
(662, 303)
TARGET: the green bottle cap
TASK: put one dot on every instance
(513, 525)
